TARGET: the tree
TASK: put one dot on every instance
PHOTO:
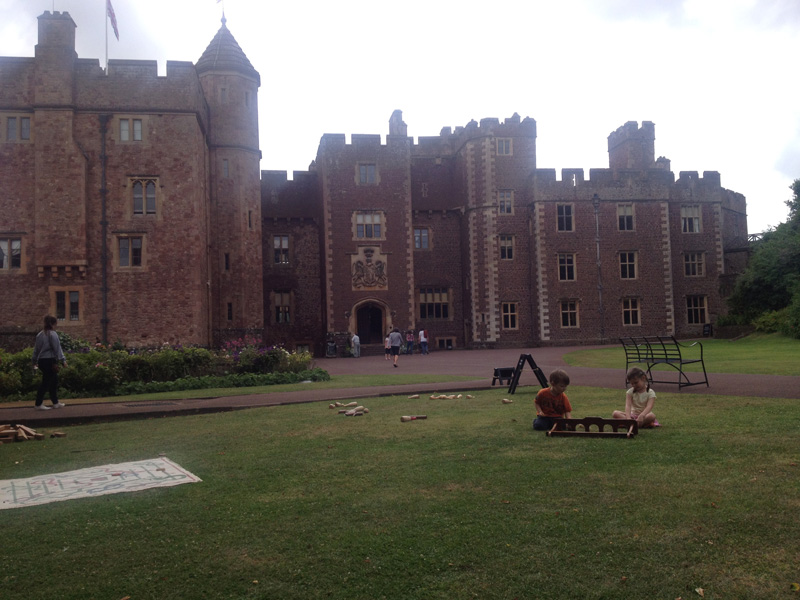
(771, 281)
(794, 203)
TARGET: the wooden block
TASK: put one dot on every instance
(38, 437)
(58, 434)
(28, 431)
(21, 437)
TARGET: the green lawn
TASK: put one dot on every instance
(763, 354)
(336, 382)
(300, 502)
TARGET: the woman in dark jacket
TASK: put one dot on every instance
(47, 355)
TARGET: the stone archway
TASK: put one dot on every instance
(370, 323)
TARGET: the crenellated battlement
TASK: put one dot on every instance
(450, 140)
(447, 142)
(627, 183)
(632, 147)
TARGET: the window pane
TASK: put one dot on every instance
(124, 132)
(3, 254)
(11, 129)
(124, 252)
(74, 307)
(25, 128)
(137, 130)
(138, 198)
(136, 252)
(151, 198)
(61, 306)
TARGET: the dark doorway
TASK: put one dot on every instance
(370, 324)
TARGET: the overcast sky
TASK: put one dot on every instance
(716, 77)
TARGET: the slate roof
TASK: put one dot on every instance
(224, 54)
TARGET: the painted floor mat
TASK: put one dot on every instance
(93, 481)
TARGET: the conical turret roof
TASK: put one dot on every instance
(224, 54)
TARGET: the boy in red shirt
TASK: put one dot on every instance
(552, 403)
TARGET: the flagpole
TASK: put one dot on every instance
(105, 18)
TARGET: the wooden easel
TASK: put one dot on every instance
(523, 358)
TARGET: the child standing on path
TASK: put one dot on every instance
(639, 400)
(552, 403)
(387, 348)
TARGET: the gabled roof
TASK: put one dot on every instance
(224, 54)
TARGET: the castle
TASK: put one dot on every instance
(135, 210)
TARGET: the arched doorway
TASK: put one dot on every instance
(369, 323)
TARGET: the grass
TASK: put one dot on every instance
(300, 502)
(762, 354)
(336, 382)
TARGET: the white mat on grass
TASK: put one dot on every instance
(94, 481)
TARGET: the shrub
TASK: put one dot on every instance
(70, 344)
(770, 321)
(102, 371)
(790, 325)
(89, 373)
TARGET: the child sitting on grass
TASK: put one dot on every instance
(639, 400)
(552, 403)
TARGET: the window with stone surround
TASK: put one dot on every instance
(694, 264)
(566, 266)
(506, 202)
(627, 265)
(434, 303)
(564, 217)
(690, 218)
(230, 311)
(509, 310)
(630, 311)
(283, 307)
(130, 251)
(130, 130)
(10, 254)
(65, 304)
(569, 314)
(368, 225)
(505, 147)
(422, 238)
(367, 173)
(506, 247)
(696, 310)
(280, 245)
(144, 192)
(625, 217)
(17, 129)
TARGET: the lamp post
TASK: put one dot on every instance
(600, 307)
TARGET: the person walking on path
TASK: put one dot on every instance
(423, 341)
(356, 341)
(409, 342)
(47, 355)
(395, 341)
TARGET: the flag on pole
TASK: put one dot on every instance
(113, 17)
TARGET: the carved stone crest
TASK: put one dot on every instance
(369, 268)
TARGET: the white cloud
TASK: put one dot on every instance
(713, 75)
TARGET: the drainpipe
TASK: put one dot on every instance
(104, 228)
(601, 307)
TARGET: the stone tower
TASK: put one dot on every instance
(230, 84)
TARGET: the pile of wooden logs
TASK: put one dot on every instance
(18, 433)
(351, 409)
